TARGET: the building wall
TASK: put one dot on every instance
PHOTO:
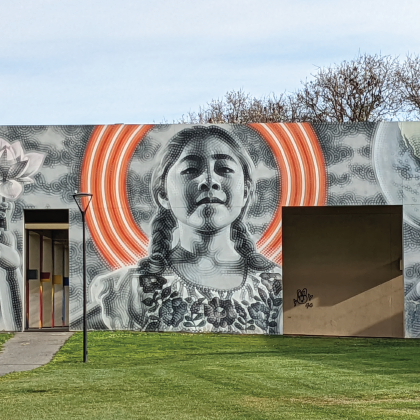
(185, 227)
(341, 271)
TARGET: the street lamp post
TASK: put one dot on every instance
(83, 200)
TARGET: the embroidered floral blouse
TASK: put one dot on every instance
(167, 302)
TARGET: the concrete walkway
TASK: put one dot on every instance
(29, 350)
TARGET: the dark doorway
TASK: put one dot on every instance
(342, 271)
(47, 269)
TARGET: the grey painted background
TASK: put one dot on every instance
(365, 164)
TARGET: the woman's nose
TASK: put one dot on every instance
(209, 182)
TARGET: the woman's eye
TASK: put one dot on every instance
(225, 170)
(189, 171)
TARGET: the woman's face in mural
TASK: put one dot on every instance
(205, 188)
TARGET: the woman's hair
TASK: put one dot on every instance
(164, 222)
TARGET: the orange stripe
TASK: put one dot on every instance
(111, 201)
(295, 187)
(305, 154)
(113, 189)
(311, 161)
(107, 199)
(99, 164)
(122, 189)
(105, 172)
(84, 186)
(289, 162)
(293, 163)
(284, 184)
(96, 160)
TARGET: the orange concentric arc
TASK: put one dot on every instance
(303, 176)
(104, 173)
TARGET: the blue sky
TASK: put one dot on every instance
(136, 61)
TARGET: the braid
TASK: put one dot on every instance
(162, 227)
(246, 247)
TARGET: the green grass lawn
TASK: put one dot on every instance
(3, 338)
(206, 376)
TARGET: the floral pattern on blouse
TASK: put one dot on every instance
(168, 303)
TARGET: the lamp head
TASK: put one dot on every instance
(82, 200)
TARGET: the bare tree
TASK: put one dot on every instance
(409, 84)
(363, 89)
(241, 107)
(368, 88)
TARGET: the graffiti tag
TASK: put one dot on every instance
(303, 298)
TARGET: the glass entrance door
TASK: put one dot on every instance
(47, 278)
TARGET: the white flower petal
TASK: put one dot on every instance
(10, 189)
(3, 142)
(4, 163)
(10, 153)
(35, 162)
(17, 149)
(3, 150)
(17, 169)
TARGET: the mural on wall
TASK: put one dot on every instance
(39, 167)
(185, 227)
(198, 214)
(17, 169)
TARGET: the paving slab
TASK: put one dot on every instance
(29, 350)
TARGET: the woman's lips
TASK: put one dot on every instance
(209, 200)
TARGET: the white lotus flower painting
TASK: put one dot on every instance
(16, 168)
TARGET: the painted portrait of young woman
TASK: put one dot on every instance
(203, 271)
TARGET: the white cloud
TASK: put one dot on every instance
(73, 61)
